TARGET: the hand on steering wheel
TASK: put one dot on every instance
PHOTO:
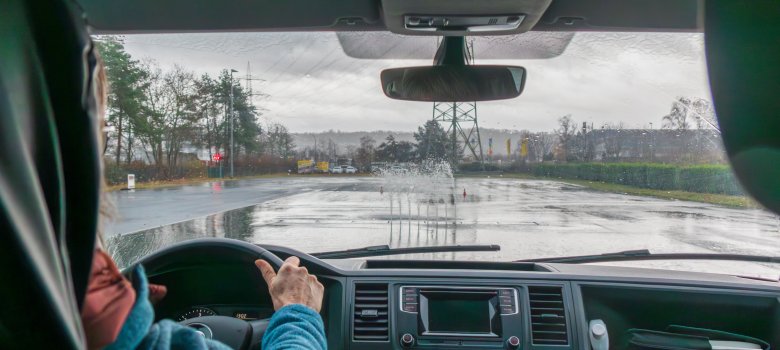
(292, 284)
(236, 333)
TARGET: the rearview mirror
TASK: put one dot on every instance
(453, 83)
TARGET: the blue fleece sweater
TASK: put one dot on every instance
(295, 327)
(291, 327)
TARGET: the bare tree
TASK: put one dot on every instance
(704, 113)
(351, 151)
(539, 145)
(679, 117)
(333, 149)
(280, 142)
(208, 113)
(150, 126)
(366, 152)
(547, 141)
(613, 140)
(566, 131)
(180, 90)
(684, 113)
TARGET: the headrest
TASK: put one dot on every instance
(743, 59)
(49, 172)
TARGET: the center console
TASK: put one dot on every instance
(455, 316)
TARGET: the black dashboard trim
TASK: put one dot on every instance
(579, 304)
(557, 272)
(571, 278)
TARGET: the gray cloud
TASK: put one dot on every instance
(313, 85)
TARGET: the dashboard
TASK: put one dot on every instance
(390, 304)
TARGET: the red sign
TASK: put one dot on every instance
(216, 157)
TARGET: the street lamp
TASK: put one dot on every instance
(231, 121)
(315, 147)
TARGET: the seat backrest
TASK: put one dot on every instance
(743, 61)
(49, 172)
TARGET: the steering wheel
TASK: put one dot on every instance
(236, 333)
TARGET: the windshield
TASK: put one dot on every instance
(613, 145)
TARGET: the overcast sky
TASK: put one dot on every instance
(313, 85)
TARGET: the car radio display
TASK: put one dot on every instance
(460, 312)
(459, 315)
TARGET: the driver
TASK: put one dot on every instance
(118, 313)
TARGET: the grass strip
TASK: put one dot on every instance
(199, 180)
(718, 199)
(732, 201)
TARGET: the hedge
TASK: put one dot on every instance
(193, 168)
(692, 178)
(477, 167)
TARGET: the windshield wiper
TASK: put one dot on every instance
(644, 254)
(381, 250)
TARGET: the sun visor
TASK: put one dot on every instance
(462, 17)
(384, 45)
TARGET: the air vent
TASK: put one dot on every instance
(548, 316)
(370, 315)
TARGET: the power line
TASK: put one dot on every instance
(250, 79)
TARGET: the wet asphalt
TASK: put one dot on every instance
(527, 218)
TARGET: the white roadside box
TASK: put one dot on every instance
(130, 181)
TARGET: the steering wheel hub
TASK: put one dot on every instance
(202, 329)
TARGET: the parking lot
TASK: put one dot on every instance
(527, 218)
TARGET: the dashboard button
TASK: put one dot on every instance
(410, 307)
(410, 291)
(513, 342)
(506, 300)
(505, 292)
(410, 298)
(407, 340)
(507, 309)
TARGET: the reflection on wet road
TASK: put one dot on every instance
(146, 209)
(528, 218)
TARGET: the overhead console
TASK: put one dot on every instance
(462, 17)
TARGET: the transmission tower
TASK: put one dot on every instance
(249, 79)
(460, 118)
(456, 115)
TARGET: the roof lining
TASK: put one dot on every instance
(184, 16)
